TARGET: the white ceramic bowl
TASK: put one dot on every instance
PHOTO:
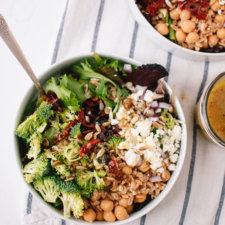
(168, 45)
(31, 96)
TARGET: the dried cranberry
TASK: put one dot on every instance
(112, 165)
(105, 135)
(113, 169)
(115, 129)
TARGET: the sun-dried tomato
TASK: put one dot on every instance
(87, 148)
(154, 5)
(198, 8)
(66, 132)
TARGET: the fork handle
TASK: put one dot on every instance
(13, 45)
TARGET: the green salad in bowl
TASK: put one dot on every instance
(104, 141)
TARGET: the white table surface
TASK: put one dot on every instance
(35, 25)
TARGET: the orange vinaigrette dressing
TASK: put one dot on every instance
(216, 108)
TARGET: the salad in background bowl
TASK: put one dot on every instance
(106, 142)
(188, 28)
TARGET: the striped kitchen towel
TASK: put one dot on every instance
(108, 26)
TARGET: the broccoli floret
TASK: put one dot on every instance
(67, 116)
(36, 122)
(62, 169)
(71, 199)
(69, 187)
(72, 152)
(114, 143)
(170, 121)
(48, 188)
(89, 181)
(72, 203)
(36, 168)
(35, 146)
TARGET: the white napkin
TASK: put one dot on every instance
(108, 26)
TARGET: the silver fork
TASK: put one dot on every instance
(13, 45)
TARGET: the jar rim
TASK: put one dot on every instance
(203, 111)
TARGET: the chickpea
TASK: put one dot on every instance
(205, 44)
(174, 14)
(109, 216)
(162, 28)
(192, 38)
(213, 40)
(144, 167)
(120, 213)
(99, 216)
(187, 26)
(216, 6)
(185, 15)
(96, 196)
(106, 205)
(86, 203)
(130, 208)
(180, 36)
(123, 202)
(89, 215)
(139, 198)
(127, 170)
(219, 19)
(221, 33)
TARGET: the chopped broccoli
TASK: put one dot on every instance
(114, 143)
(170, 121)
(35, 146)
(69, 187)
(72, 203)
(75, 131)
(62, 169)
(71, 199)
(36, 168)
(48, 188)
(51, 133)
(72, 152)
(67, 115)
(89, 181)
(36, 122)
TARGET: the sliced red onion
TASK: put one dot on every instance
(155, 179)
(154, 104)
(164, 105)
(164, 156)
(127, 68)
(139, 88)
(153, 118)
(158, 110)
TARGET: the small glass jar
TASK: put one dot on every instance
(202, 115)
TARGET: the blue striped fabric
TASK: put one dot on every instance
(97, 25)
(220, 206)
(194, 149)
